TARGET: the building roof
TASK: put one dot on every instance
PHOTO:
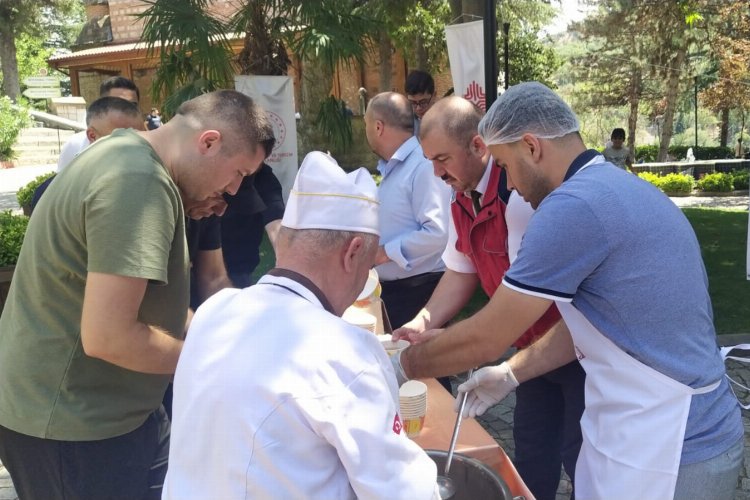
(61, 59)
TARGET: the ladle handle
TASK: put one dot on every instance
(454, 438)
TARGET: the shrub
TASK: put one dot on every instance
(651, 178)
(716, 182)
(12, 230)
(13, 121)
(26, 193)
(676, 183)
(648, 153)
(740, 179)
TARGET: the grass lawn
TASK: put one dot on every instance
(723, 238)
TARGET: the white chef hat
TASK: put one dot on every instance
(326, 197)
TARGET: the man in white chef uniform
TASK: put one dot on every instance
(275, 396)
(624, 267)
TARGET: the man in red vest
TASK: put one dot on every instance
(487, 224)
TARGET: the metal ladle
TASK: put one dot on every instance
(446, 489)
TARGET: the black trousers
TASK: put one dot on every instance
(546, 428)
(127, 467)
(404, 298)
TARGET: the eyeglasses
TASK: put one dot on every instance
(420, 104)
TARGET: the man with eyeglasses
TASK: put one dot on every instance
(420, 92)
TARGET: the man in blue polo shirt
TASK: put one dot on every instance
(624, 267)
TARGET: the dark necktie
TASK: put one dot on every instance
(475, 195)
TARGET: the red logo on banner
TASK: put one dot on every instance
(397, 424)
(475, 94)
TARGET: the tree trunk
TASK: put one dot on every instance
(636, 85)
(11, 86)
(386, 65)
(472, 8)
(316, 84)
(724, 128)
(420, 55)
(456, 9)
(673, 84)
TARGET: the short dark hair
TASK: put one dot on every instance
(118, 82)
(618, 133)
(393, 109)
(106, 104)
(237, 116)
(419, 82)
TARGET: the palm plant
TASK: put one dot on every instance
(195, 54)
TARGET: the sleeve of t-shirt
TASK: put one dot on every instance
(564, 243)
(210, 235)
(269, 189)
(77, 143)
(452, 258)
(131, 225)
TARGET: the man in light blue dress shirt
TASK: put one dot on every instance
(414, 206)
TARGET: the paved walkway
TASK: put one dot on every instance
(499, 420)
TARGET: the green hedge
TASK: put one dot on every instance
(649, 153)
(740, 179)
(26, 193)
(12, 230)
(718, 182)
(12, 122)
(671, 183)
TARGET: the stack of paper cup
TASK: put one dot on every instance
(413, 401)
(360, 318)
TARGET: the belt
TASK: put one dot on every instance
(414, 281)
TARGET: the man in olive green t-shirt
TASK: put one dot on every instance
(92, 328)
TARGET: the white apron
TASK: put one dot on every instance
(634, 423)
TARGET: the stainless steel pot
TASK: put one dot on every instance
(473, 479)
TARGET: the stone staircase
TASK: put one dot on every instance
(40, 146)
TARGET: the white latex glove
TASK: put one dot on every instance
(486, 387)
(401, 377)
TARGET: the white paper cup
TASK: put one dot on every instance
(413, 402)
(390, 346)
(360, 318)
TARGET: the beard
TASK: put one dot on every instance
(536, 187)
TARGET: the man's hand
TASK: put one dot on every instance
(413, 327)
(206, 208)
(486, 387)
(381, 257)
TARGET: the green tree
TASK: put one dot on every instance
(531, 55)
(34, 18)
(645, 38)
(420, 34)
(730, 90)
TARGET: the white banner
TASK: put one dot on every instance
(748, 246)
(276, 95)
(466, 55)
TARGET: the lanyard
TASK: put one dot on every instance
(581, 161)
(305, 282)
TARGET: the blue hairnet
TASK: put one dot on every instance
(527, 108)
